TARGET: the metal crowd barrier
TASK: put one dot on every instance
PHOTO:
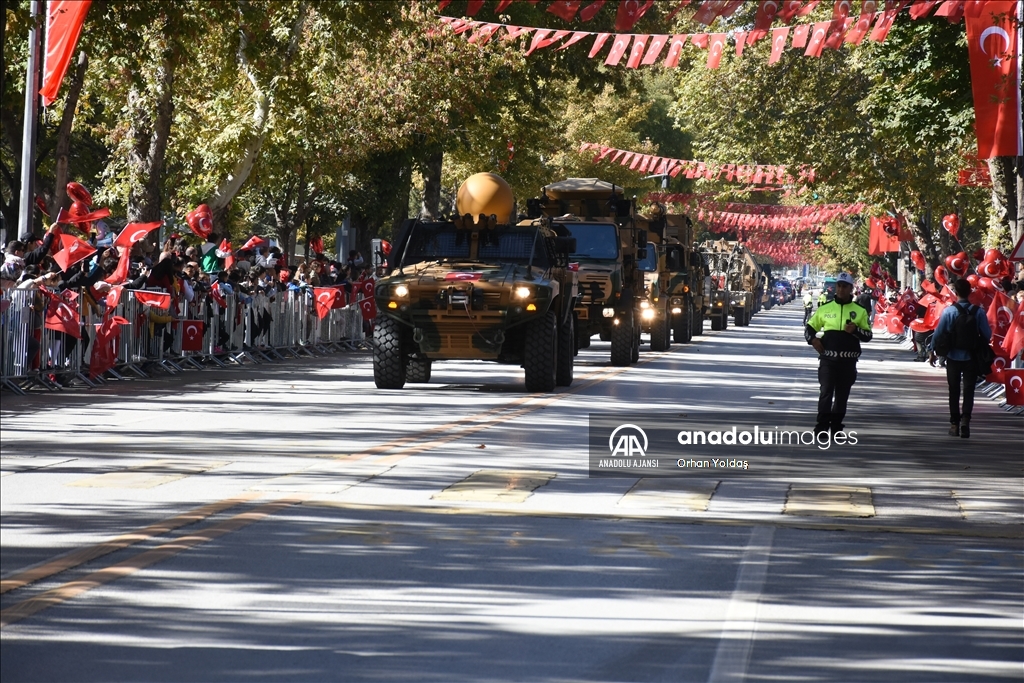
(263, 329)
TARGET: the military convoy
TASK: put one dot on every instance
(734, 269)
(610, 242)
(532, 292)
(478, 286)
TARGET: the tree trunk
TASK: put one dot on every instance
(264, 100)
(149, 148)
(922, 230)
(432, 187)
(1004, 200)
(63, 150)
(1017, 225)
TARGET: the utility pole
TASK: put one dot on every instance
(26, 203)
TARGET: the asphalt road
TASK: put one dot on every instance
(291, 522)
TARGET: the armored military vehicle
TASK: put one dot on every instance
(481, 287)
(734, 269)
(609, 244)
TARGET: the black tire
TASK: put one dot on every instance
(725, 319)
(566, 352)
(540, 353)
(388, 354)
(418, 371)
(584, 340)
(660, 339)
(716, 322)
(684, 328)
(698, 320)
(623, 338)
(635, 358)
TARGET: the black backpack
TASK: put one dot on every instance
(962, 335)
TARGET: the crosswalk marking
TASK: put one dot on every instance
(491, 486)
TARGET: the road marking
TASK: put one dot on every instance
(737, 640)
(332, 477)
(496, 486)
(825, 500)
(149, 475)
(73, 589)
(693, 495)
(83, 555)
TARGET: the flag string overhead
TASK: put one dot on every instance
(754, 174)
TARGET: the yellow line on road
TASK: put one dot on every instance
(83, 555)
(131, 565)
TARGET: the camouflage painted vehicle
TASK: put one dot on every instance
(609, 243)
(734, 268)
(478, 287)
(678, 284)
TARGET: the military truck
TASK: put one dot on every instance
(734, 269)
(609, 243)
(480, 287)
(676, 281)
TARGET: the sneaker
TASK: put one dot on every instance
(965, 430)
(954, 430)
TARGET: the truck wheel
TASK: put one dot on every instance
(684, 328)
(566, 352)
(716, 322)
(698, 320)
(622, 338)
(660, 340)
(388, 359)
(418, 371)
(725, 320)
(737, 318)
(636, 346)
(584, 340)
(539, 353)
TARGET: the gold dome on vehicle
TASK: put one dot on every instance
(485, 193)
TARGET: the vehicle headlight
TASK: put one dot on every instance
(676, 310)
(523, 292)
(609, 313)
(645, 304)
(400, 291)
(648, 314)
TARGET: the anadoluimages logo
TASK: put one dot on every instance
(628, 443)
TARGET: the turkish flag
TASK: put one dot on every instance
(675, 48)
(591, 10)
(538, 36)
(154, 299)
(565, 9)
(72, 251)
(709, 10)
(715, 51)
(368, 308)
(599, 42)
(225, 252)
(766, 13)
(800, 35)
(121, 273)
(860, 29)
(789, 9)
(953, 10)
(200, 221)
(65, 217)
(473, 6)
(808, 8)
(885, 21)
(64, 22)
(135, 232)
(515, 31)
(654, 48)
(618, 49)
(502, 6)
(192, 335)
(1014, 341)
(817, 41)
(636, 53)
(1013, 378)
(113, 297)
(256, 242)
(921, 8)
(324, 298)
(630, 12)
(62, 316)
(995, 79)
(576, 37)
(779, 36)
(835, 39)
(1000, 314)
(700, 40)
(557, 36)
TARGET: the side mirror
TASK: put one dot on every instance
(641, 253)
(673, 260)
(641, 238)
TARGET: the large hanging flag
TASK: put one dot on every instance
(630, 12)
(64, 22)
(994, 49)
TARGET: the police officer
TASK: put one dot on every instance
(845, 326)
(808, 306)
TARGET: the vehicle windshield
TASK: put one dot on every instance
(436, 243)
(650, 263)
(594, 240)
(512, 247)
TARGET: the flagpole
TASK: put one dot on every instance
(26, 203)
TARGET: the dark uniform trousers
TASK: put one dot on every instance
(836, 378)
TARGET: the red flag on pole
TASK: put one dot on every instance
(72, 251)
(64, 22)
(135, 232)
(992, 43)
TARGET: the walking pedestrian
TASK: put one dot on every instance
(962, 329)
(844, 325)
(808, 306)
